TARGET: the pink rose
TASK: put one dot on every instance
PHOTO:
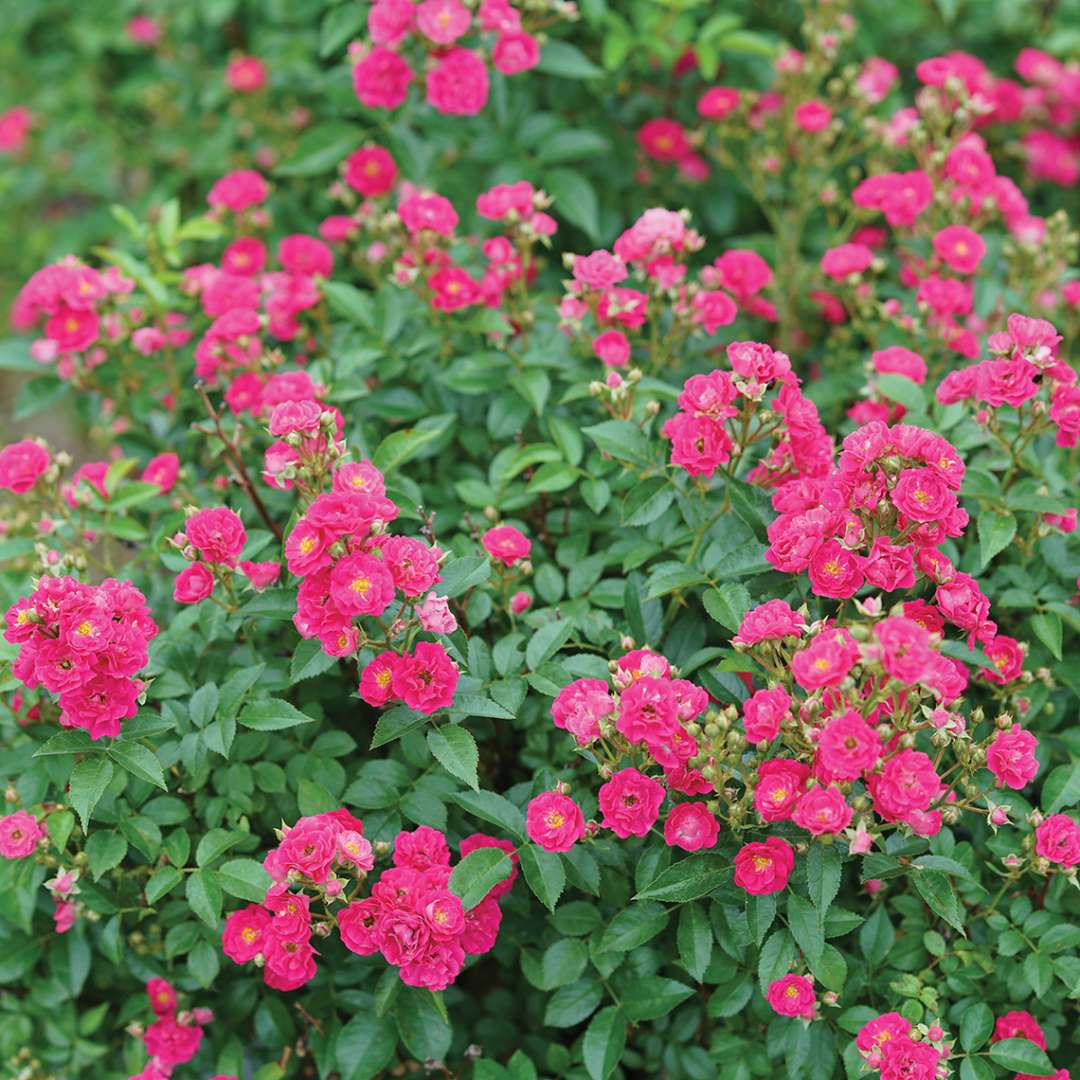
(847, 747)
(21, 466)
(691, 827)
(217, 533)
(770, 621)
(554, 821)
(630, 803)
(426, 679)
(1011, 757)
(792, 995)
(19, 835)
(764, 712)
(506, 544)
(1058, 839)
(822, 810)
(780, 783)
(763, 868)
(193, 584)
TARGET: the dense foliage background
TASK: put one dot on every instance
(634, 955)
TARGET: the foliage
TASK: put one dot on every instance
(457, 640)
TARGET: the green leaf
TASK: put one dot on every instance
(547, 641)
(460, 575)
(621, 440)
(936, 889)
(204, 897)
(89, 779)
(727, 603)
(976, 1025)
(402, 446)
(996, 532)
(633, 926)
(39, 394)
(653, 997)
(69, 742)
(604, 1042)
(339, 24)
(105, 849)
(394, 723)
(544, 873)
(695, 940)
(245, 879)
(775, 959)
(272, 714)
(688, 879)
(494, 809)
(214, 844)
(203, 705)
(575, 200)
(573, 1003)
(1047, 628)
(1061, 789)
(823, 869)
(319, 150)
(365, 1046)
(902, 389)
(203, 964)
(1021, 1055)
(647, 501)
(309, 660)
(455, 749)
(877, 936)
(139, 761)
(478, 873)
(161, 882)
(806, 927)
(566, 60)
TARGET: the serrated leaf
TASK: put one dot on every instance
(544, 874)
(455, 749)
(478, 873)
(272, 714)
(89, 779)
(139, 761)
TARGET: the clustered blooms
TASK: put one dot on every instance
(608, 317)
(415, 236)
(213, 539)
(21, 836)
(86, 644)
(174, 1037)
(82, 314)
(351, 567)
(431, 33)
(721, 415)
(1025, 371)
(411, 916)
(648, 708)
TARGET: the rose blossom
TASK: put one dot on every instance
(554, 821)
(792, 995)
(763, 868)
(630, 803)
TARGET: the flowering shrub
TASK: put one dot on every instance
(532, 611)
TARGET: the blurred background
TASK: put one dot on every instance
(110, 102)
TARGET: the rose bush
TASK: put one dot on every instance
(506, 616)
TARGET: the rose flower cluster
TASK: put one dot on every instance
(411, 917)
(86, 644)
(432, 33)
(174, 1037)
(721, 416)
(412, 239)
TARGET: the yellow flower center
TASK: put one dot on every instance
(360, 585)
